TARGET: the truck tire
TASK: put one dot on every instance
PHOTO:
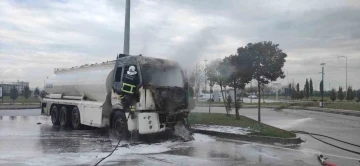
(55, 115)
(119, 125)
(75, 119)
(65, 119)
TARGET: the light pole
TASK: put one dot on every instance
(205, 74)
(127, 29)
(323, 87)
(346, 69)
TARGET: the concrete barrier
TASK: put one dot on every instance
(251, 138)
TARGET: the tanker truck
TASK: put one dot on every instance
(88, 95)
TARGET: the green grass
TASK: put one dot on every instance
(245, 122)
(20, 99)
(343, 105)
(335, 105)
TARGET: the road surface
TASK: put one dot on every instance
(25, 142)
(343, 127)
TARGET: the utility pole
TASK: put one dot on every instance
(323, 89)
(127, 28)
(346, 70)
(205, 74)
(251, 92)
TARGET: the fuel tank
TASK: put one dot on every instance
(91, 81)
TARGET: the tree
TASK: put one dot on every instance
(307, 89)
(228, 105)
(239, 72)
(294, 94)
(43, 94)
(349, 94)
(27, 92)
(196, 79)
(14, 94)
(301, 94)
(311, 87)
(290, 91)
(340, 94)
(217, 72)
(266, 61)
(333, 95)
(37, 92)
(358, 95)
(297, 90)
(353, 94)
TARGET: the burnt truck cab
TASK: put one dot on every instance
(161, 95)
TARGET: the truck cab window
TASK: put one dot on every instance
(118, 74)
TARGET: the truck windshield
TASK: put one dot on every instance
(162, 76)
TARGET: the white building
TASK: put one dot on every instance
(19, 85)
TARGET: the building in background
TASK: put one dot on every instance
(19, 85)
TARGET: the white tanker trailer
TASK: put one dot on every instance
(89, 95)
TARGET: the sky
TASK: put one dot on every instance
(37, 36)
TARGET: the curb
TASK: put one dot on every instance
(12, 107)
(329, 110)
(251, 138)
(326, 110)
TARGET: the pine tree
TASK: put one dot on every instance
(333, 95)
(297, 90)
(14, 94)
(340, 94)
(293, 93)
(26, 92)
(37, 92)
(301, 94)
(307, 89)
(290, 90)
(311, 87)
(353, 95)
(349, 93)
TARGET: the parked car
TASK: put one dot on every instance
(252, 97)
(206, 97)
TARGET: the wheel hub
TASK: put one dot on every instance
(75, 118)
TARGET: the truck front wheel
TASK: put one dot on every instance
(65, 119)
(55, 115)
(75, 118)
(119, 124)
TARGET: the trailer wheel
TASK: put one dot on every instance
(75, 118)
(119, 124)
(55, 115)
(65, 119)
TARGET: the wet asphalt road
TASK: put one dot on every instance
(343, 127)
(24, 142)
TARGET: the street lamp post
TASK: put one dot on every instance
(322, 94)
(127, 29)
(205, 74)
(346, 69)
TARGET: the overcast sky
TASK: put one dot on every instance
(38, 36)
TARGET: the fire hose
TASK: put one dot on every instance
(321, 157)
(312, 135)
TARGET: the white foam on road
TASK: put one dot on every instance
(225, 129)
(89, 158)
(158, 147)
(286, 124)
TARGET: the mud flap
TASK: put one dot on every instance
(182, 131)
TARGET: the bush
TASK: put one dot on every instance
(228, 104)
